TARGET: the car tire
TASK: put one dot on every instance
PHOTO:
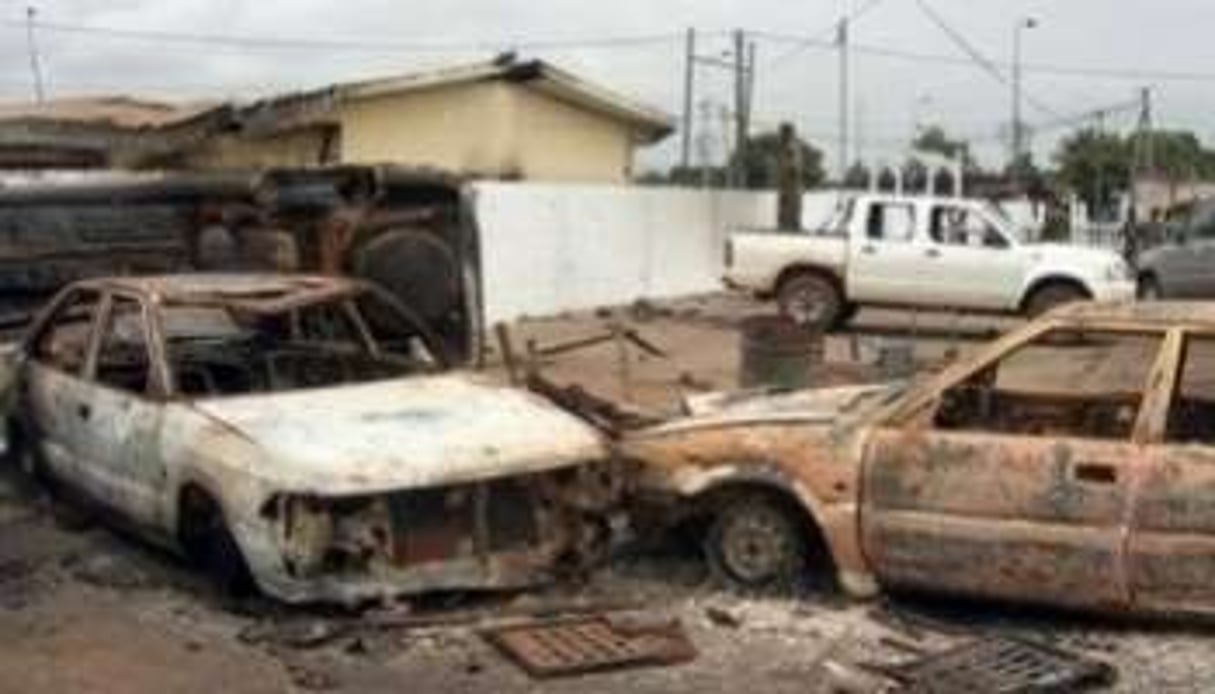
(1149, 289)
(214, 550)
(757, 543)
(1051, 296)
(811, 301)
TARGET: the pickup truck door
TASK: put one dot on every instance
(1172, 540)
(974, 264)
(885, 264)
(1015, 481)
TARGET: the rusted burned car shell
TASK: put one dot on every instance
(800, 444)
(1112, 524)
(341, 494)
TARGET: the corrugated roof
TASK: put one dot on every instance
(117, 111)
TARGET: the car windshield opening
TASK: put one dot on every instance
(216, 350)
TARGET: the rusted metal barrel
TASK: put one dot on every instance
(776, 352)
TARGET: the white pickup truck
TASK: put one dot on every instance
(928, 252)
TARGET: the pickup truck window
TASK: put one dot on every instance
(953, 225)
(1084, 384)
(892, 222)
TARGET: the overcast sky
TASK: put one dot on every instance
(891, 95)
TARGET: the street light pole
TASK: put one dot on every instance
(1018, 128)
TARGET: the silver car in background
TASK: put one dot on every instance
(1183, 264)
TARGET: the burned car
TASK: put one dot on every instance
(301, 435)
(1070, 463)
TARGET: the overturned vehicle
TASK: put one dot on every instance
(1070, 463)
(302, 435)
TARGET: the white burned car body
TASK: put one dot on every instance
(302, 434)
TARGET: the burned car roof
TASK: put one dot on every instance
(250, 289)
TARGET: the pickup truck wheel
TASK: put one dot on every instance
(811, 301)
(755, 543)
(1052, 296)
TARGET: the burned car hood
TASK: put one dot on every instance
(815, 406)
(405, 433)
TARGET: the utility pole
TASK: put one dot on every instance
(740, 109)
(1018, 129)
(845, 109)
(1145, 146)
(689, 99)
(35, 64)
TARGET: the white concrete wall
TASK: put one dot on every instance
(549, 248)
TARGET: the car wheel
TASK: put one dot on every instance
(213, 549)
(22, 455)
(811, 301)
(1052, 296)
(756, 543)
(1149, 289)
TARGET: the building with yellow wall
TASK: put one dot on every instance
(504, 119)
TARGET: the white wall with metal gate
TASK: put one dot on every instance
(550, 248)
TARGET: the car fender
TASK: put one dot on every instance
(1043, 275)
(785, 456)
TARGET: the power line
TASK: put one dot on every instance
(1121, 74)
(977, 56)
(335, 44)
(825, 33)
(1138, 75)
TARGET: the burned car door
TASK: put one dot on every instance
(121, 416)
(51, 385)
(1172, 542)
(1015, 482)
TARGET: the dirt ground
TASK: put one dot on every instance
(84, 608)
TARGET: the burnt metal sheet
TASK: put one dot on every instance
(1001, 665)
(580, 646)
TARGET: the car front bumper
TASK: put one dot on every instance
(501, 534)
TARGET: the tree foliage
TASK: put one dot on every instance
(934, 140)
(762, 158)
(1095, 164)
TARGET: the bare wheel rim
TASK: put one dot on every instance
(755, 545)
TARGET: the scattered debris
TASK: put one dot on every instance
(294, 634)
(1001, 665)
(722, 617)
(311, 679)
(563, 648)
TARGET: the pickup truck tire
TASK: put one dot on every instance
(1149, 289)
(756, 542)
(811, 301)
(1052, 295)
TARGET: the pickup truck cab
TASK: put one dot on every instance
(928, 252)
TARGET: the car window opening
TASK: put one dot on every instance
(1192, 412)
(1072, 383)
(219, 350)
